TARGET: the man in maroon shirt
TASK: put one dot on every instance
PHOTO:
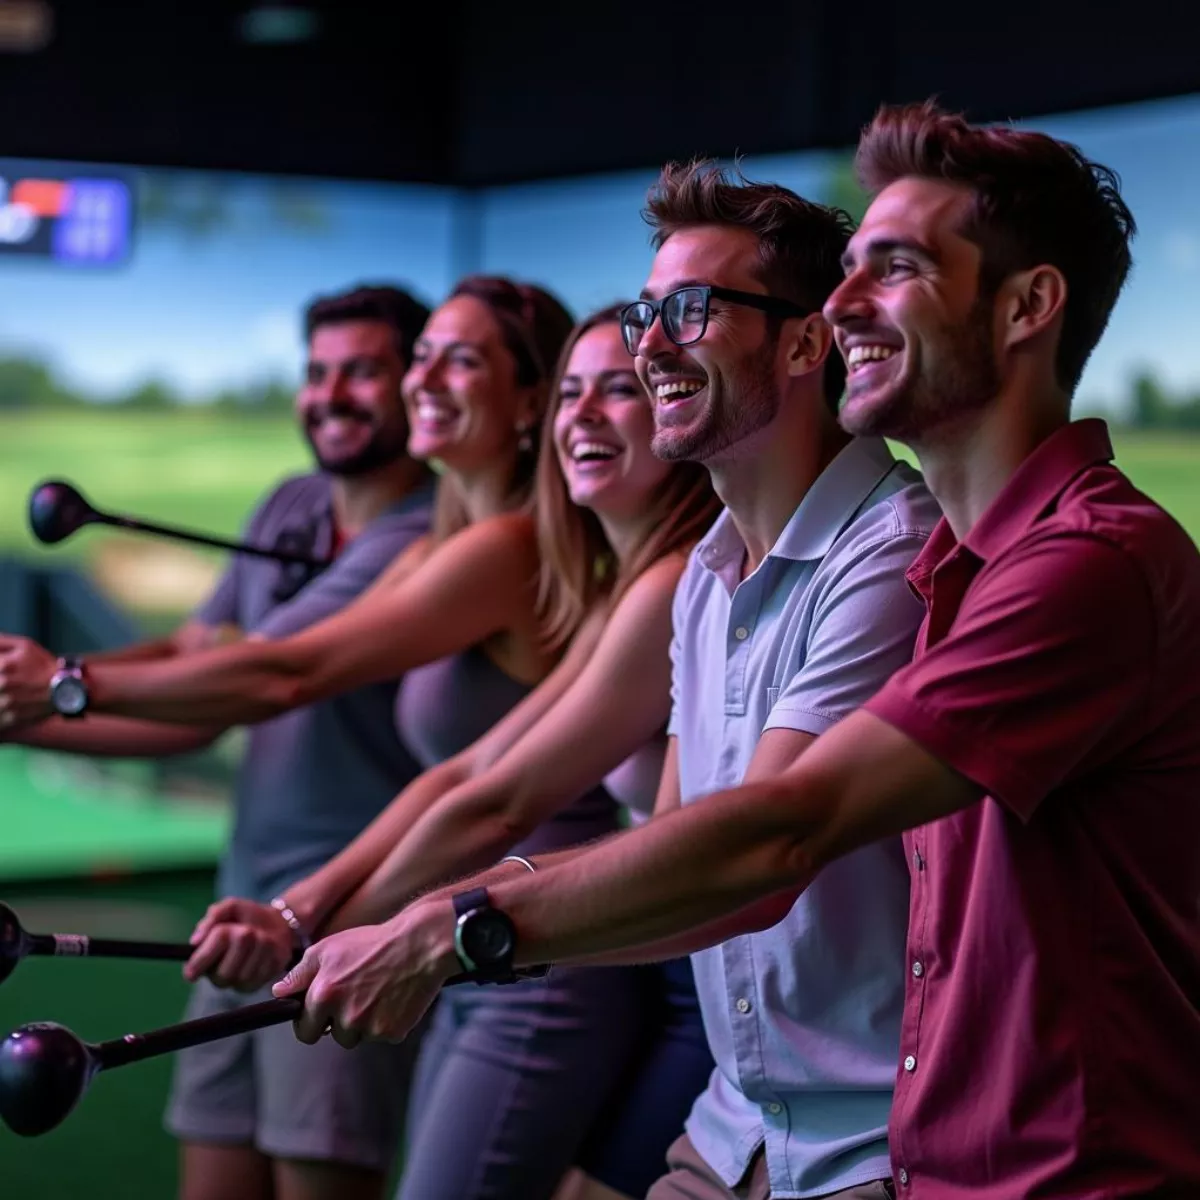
(1042, 751)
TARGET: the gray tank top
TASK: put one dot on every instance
(443, 707)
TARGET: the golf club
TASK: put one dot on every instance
(16, 944)
(45, 1069)
(57, 509)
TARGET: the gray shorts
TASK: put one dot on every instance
(290, 1100)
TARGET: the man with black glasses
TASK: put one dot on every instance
(792, 611)
(260, 1114)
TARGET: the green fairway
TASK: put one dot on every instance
(1165, 466)
(207, 470)
(193, 468)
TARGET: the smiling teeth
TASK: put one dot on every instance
(861, 354)
(434, 412)
(582, 450)
(678, 388)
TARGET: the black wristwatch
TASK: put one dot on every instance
(68, 688)
(485, 939)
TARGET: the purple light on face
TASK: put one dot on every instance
(94, 225)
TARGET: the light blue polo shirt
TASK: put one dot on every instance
(804, 1018)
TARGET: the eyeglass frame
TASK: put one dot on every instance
(772, 305)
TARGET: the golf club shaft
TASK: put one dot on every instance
(134, 1047)
(203, 539)
(76, 945)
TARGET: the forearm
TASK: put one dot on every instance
(679, 873)
(318, 900)
(760, 915)
(114, 737)
(241, 684)
(139, 652)
(449, 841)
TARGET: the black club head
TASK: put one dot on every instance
(12, 940)
(44, 1070)
(57, 510)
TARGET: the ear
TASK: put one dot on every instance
(1035, 301)
(809, 342)
(529, 406)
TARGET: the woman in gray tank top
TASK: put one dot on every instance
(591, 1067)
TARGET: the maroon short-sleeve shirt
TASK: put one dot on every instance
(1050, 1045)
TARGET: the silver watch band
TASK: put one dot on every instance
(281, 906)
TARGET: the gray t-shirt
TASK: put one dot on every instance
(314, 778)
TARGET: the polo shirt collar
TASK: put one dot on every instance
(1036, 484)
(828, 506)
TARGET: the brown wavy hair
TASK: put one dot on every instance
(534, 324)
(578, 568)
(1036, 200)
(800, 244)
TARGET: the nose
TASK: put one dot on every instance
(654, 340)
(425, 374)
(588, 407)
(850, 300)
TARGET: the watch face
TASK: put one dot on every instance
(487, 937)
(70, 696)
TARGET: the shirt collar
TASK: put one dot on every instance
(828, 506)
(1034, 487)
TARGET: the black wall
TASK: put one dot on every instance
(469, 92)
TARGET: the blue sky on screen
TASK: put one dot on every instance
(206, 311)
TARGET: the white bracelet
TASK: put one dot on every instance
(281, 906)
(523, 861)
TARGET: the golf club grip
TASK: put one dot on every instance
(203, 539)
(77, 945)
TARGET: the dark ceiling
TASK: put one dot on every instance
(469, 93)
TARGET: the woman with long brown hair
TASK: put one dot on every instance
(509, 1096)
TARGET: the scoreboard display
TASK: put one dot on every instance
(68, 216)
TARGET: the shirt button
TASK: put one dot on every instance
(910, 1063)
(918, 969)
(741, 633)
(774, 1108)
(743, 1005)
(903, 1177)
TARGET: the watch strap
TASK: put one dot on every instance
(468, 901)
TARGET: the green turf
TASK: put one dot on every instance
(1165, 466)
(56, 825)
(195, 468)
(208, 470)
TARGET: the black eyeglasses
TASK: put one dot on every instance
(684, 313)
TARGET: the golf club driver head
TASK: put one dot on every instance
(44, 1071)
(57, 510)
(11, 942)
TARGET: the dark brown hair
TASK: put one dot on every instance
(800, 244)
(1037, 200)
(578, 566)
(533, 324)
(392, 306)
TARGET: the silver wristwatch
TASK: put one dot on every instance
(68, 688)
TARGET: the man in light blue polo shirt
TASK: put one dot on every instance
(791, 613)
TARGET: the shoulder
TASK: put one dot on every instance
(508, 540)
(890, 528)
(899, 506)
(295, 495)
(656, 586)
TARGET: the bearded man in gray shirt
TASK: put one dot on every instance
(262, 1116)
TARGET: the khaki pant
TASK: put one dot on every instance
(689, 1177)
